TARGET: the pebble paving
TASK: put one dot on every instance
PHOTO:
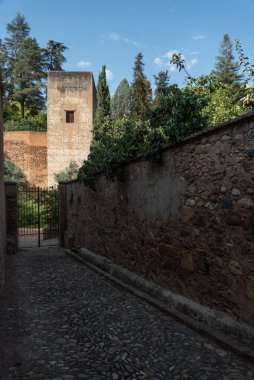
(60, 320)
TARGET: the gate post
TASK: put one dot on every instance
(63, 220)
(11, 206)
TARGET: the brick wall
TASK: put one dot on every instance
(28, 151)
(186, 224)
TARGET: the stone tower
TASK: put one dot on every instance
(71, 110)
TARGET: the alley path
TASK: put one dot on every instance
(60, 320)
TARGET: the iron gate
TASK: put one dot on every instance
(38, 214)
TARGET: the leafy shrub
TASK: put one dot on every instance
(28, 215)
(175, 116)
(68, 173)
(48, 209)
(37, 123)
(13, 173)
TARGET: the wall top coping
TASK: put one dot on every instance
(69, 73)
(26, 132)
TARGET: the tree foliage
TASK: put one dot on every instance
(36, 123)
(248, 70)
(126, 138)
(162, 85)
(141, 93)
(68, 173)
(27, 74)
(120, 102)
(103, 101)
(53, 56)
(171, 116)
(226, 68)
(13, 173)
(221, 99)
(24, 66)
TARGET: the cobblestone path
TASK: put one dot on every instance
(60, 320)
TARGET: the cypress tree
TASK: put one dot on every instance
(120, 103)
(103, 101)
(141, 93)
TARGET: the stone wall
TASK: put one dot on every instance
(11, 199)
(2, 199)
(69, 92)
(28, 151)
(186, 224)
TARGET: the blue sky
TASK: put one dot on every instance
(112, 32)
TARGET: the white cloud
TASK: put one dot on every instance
(114, 36)
(193, 61)
(109, 74)
(164, 60)
(199, 37)
(117, 37)
(158, 61)
(171, 67)
(84, 64)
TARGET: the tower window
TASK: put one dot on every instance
(69, 116)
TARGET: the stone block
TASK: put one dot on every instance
(235, 267)
(187, 213)
(187, 262)
(245, 203)
(227, 202)
(250, 286)
(234, 219)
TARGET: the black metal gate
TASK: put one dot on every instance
(38, 214)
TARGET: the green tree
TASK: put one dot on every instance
(162, 85)
(248, 70)
(103, 101)
(27, 74)
(53, 56)
(179, 112)
(120, 103)
(68, 173)
(220, 100)
(141, 93)
(18, 30)
(22, 63)
(226, 68)
(116, 142)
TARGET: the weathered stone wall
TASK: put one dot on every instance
(2, 199)
(28, 151)
(11, 207)
(75, 92)
(186, 224)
